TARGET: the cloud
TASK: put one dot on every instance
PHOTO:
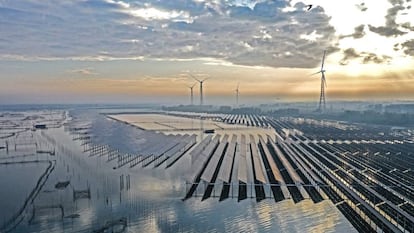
(374, 58)
(391, 28)
(253, 33)
(150, 13)
(349, 53)
(408, 47)
(366, 57)
(407, 25)
(358, 32)
(88, 71)
(362, 7)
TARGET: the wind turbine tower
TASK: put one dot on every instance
(201, 88)
(237, 94)
(192, 93)
(322, 101)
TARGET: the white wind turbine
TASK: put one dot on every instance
(201, 87)
(322, 101)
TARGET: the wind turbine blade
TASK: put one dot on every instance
(324, 80)
(195, 78)
(204, 79)
(315, 73)
(323, 59)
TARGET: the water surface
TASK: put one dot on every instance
(152, 200)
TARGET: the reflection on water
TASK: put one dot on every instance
(149, 199)
(17, 181)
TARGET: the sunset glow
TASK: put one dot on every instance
(134, 51)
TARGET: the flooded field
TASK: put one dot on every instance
(170, 124)
(51, 184)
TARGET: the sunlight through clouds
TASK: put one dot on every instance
(229, 40)
(156, 14)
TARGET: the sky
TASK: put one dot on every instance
(98, 51)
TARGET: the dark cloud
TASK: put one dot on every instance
(358, 32)
(362, 6)
(386, 31)
(407, 26)
(350, 54)
(408, 47)
(396, 2)
(374, 58)
(397, 47)
(391, 28)
(252, 34)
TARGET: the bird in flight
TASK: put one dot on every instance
(309, 7)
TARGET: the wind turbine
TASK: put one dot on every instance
(237, 94)
(191, 91)
(201, 87)
(322, 102)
